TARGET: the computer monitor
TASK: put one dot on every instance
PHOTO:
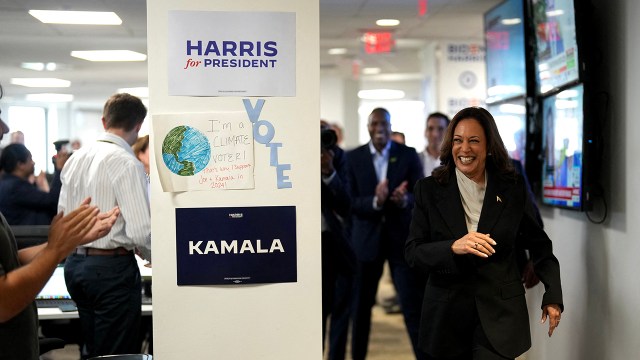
(30, 235)
(558, 58)
(505, 51)
(56, 287)
(562, 144)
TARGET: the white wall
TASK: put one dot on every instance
(263, 321)
(85, 125)
(339, 104)
(429, 61)
(600, 264)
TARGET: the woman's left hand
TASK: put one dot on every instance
(552, 311)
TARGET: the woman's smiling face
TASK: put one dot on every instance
(470, 149)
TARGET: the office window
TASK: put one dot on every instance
(407, 116)
(32, 122)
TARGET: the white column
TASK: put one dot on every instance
(266, 321)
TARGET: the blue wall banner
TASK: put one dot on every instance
(236, 245)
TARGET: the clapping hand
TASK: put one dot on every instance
(399, 195)
(382, 192)
(83, 225)
(103, 225)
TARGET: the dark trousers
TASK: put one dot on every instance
(481, 349)
(410, 289)
(107, 291)
(337, 284)
(340, 318)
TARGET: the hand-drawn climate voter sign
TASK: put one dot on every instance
(236, 245)
(204, 151)
(214, 53)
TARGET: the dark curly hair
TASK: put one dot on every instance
(12, 155)
(497, 157)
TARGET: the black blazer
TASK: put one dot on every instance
(336, 206)
(462, 289)
(367, 222)
(22, 203)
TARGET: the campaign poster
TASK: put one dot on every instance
(236, 245)
(204, 151)
(218, 53)
(464, 65)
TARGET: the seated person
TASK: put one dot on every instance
(21, 202)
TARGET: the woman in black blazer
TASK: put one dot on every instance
(466, 221)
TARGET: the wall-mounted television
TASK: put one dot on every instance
(556, 44)
(563, 143)
(511, 120)
(505, 51)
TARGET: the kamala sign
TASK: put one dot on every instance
(236, 245)
(213, 53)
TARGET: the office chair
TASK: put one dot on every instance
(48, 344)
(124, 357)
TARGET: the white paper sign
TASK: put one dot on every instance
(464, 65)
(214, 53)
(204, 151)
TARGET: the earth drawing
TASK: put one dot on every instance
(186, 151)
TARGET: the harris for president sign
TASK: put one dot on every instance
(215, 53)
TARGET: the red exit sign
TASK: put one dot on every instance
(378, 42)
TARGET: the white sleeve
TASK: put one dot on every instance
(130, 189)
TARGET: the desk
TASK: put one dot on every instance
(56, 314)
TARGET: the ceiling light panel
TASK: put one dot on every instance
(388, 22)
(109, 55)
(41, 82)
(49, 97)
(37, 66)
(337, 51)
(76, 17)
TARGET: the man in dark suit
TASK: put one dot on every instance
(382, 174)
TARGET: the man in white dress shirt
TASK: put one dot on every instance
(102, 276)
(434, 132)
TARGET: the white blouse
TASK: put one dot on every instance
(472, 196)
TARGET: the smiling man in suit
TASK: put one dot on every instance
(382, 174)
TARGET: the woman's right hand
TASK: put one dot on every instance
(474, 243)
